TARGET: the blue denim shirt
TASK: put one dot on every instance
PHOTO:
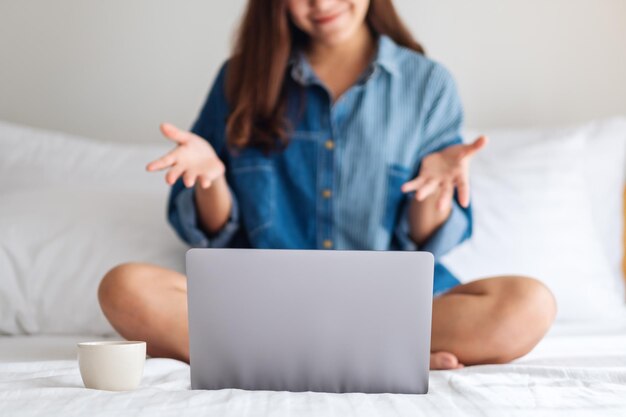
(337, 184)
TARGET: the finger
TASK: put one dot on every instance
(413, 185)
(445, 196)
(427, 189)
(189, 178)
(172, 132)
(172, 175)
(472, 148)
(205, 181)
(463, 191)
(165, 161)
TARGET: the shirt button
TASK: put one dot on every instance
(330, 145)
(327, 193)
(328, 244)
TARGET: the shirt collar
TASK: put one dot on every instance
(385, 57)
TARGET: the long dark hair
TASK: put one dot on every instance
(256, 72)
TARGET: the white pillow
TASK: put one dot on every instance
(533, 216)
(71, 209)
(605, 172)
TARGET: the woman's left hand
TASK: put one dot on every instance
(445, 169)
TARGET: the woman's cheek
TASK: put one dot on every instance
(298, 11)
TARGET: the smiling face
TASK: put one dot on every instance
(328, 21)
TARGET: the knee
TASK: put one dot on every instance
(119, 287)
(525, 309)
(531, 300)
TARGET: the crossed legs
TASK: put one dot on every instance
(492, 320)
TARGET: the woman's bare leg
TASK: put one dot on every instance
(491, 320)
(147, 302)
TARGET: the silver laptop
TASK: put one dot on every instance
(310, 320)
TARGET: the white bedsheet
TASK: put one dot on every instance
(575, 370)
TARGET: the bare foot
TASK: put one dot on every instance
(444, 360)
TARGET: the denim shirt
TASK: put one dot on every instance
(337, 184)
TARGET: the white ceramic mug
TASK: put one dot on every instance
(111, 365)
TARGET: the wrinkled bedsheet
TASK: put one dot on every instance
(577, 370)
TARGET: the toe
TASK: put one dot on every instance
(444, 360)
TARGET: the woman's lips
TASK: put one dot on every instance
(326, 19)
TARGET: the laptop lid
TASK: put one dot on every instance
(310, 320)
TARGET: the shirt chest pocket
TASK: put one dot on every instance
(254, 184)
(396, 175)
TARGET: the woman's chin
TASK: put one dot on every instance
(334, 36)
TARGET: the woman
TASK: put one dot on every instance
(328, 128)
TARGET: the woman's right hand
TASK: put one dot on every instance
(193, 158)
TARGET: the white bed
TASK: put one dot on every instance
(71, 208)
(579, 370)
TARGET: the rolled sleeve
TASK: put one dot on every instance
(183, 216)
(456, 229)
(452, 232)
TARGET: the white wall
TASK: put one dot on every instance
(114, 70)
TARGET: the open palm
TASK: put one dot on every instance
(445, 170)
(194, 159)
